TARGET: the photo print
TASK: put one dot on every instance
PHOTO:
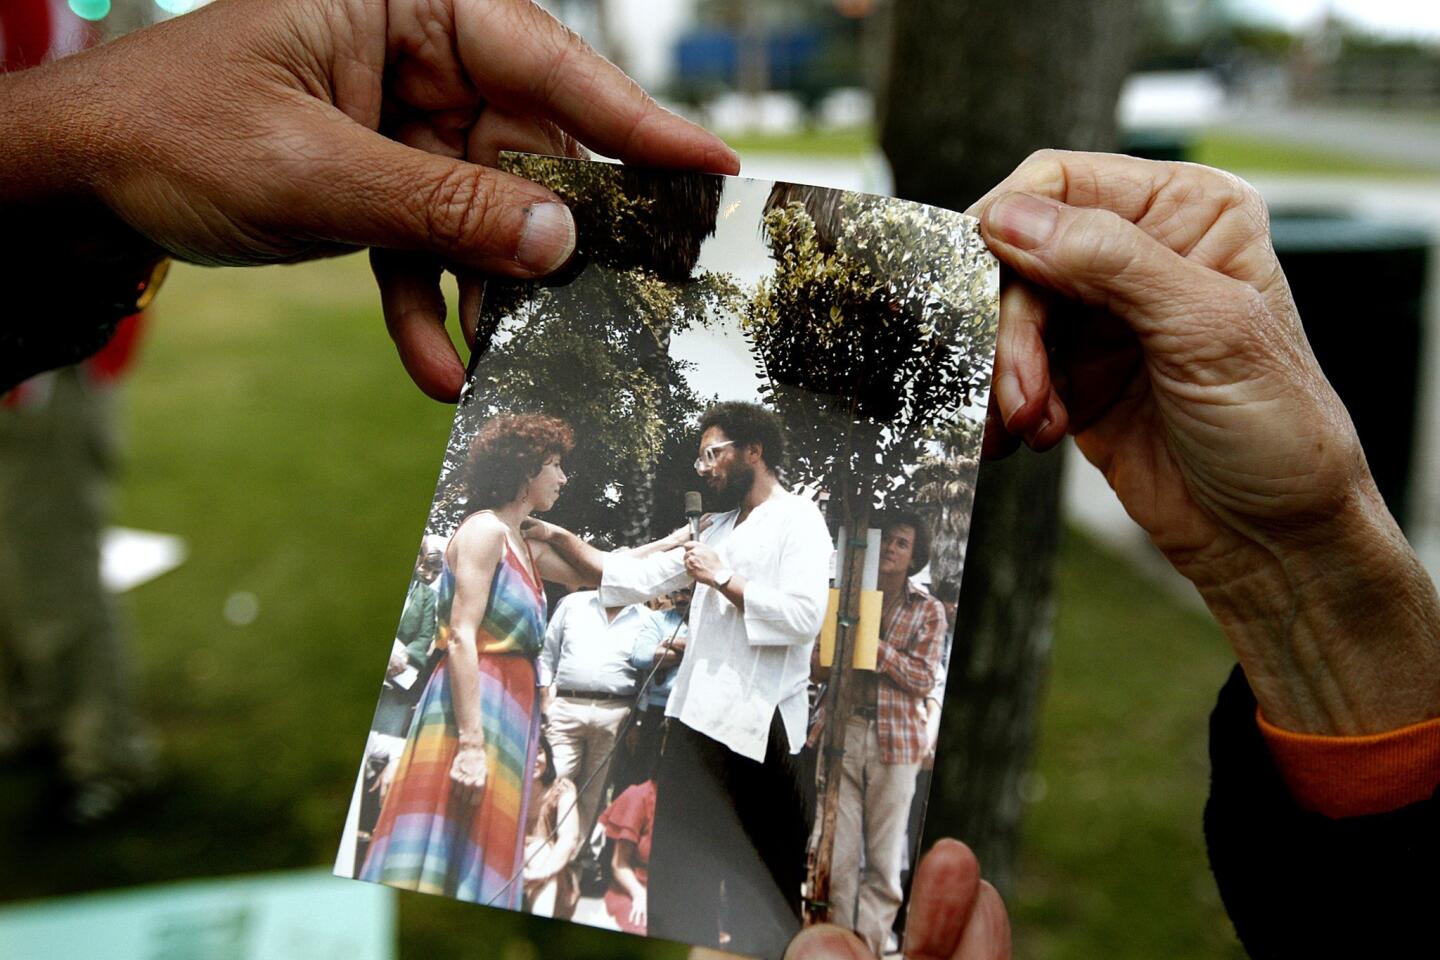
(672, 657)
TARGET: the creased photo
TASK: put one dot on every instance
(672, 657)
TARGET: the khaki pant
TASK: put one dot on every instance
(871, 820)
(582, 735)
(64, 675)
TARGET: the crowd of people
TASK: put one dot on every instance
(658, 719)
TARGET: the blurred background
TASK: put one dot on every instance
(276, 465)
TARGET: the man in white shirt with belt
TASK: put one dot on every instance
(591, 685)
(730, 803)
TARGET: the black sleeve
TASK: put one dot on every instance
(1299, 884)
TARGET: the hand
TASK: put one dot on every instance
(1146, 314)
(266, 131)
(396, 666)
(469, 765)
(541, 531)
(953, 915)
(637, 908)
(668, 656)
(702, 562)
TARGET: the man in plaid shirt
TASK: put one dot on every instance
(885, 739)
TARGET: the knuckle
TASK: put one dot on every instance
(1099, 242)
(459, 208)
(1243, 197)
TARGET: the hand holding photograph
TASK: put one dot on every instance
(673, 652)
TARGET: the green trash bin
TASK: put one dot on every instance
(1360, 286)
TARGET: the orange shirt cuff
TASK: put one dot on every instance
(1355, 776)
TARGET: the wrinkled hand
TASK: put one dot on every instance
(1146, 314)
(953, 915)
(702, 563)
(264, 131)
(468, 767)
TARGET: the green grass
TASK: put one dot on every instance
(1240, 154)
(272, 427)
(1113, 861)
(842, 142)
(1254, 155)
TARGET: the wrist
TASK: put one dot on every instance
(1339, 634)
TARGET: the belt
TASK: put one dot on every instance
(590, 694)
(867, 710)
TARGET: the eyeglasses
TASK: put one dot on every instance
(708, 455)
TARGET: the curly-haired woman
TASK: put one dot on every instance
(454, 819)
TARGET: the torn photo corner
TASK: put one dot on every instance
(672, 656)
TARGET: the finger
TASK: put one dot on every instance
(355, 186)
(1022, 369)
(1100, 259)
(997, 443)
(472, 301)
(498, 130)
(826, 942)
(1052, 426)
(1210, 216)
(526, 61)
(415, 317)
(941, 900)
(987, 931)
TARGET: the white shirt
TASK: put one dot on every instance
(587, 651)
(739, 668)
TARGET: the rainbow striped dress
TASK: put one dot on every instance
(432, 836)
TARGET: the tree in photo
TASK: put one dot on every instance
(592, 345)
(874, 333)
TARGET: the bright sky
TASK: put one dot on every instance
(1412, 18)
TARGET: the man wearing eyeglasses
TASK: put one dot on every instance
(729, 807)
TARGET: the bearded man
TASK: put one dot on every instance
(729, 806)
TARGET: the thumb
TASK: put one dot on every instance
(826, 942)
(1101, 259)
(361, 188)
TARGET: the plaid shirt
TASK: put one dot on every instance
(907, 664)
(912, 642)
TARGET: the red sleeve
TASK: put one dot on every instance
(625, 818)
(1355, 776)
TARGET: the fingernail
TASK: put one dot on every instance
(825, 942)
(1022, 220)
(548, 238)
(1008, 396)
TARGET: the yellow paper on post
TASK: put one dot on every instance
(828, 627)
(867, 639)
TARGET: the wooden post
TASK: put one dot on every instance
(839, 704)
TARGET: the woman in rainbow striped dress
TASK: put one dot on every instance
(454, 818)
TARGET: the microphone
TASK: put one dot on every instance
(693, 509)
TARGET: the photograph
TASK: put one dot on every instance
(672, 656)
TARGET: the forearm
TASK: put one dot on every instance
(734, 591)
(587, 562)
(1339, 635)
(464, 678)
(61, 146)
(74, 270)
(627, 878)
(670, 542)
(905, 670)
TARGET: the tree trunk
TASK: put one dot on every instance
(973, 87)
